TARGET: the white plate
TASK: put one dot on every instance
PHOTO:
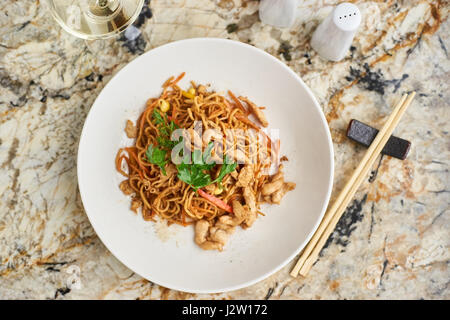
(250, 255)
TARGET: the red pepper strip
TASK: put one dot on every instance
(238, 103)
(174, 82)
(174, 114)
(215, 201)
(131, 152)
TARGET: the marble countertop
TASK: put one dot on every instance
(393, 241)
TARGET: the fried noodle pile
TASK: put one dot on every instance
(216, 196)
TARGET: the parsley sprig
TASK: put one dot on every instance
(158, 154)
(196, 173)
(165, 128)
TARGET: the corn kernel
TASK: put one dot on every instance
(164, 105)
(218, 190)
(190, 94)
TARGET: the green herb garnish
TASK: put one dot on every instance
(197, 174)
(227, 167)
(158, 117)
(165, 129)
(194, 175)
(157, 156)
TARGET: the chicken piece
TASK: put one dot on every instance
(271, 187)
(240, 214)
(225, 221)
(126, 188)
(130, 129)
(289, 186)
(251, 217)
(219, 235)
(279, 194)
(234, 174)
(201, 231)
(213, 237)
(135, 205)
(276, 182)
(256, 111)
(267, 199)
(211, 245)
(250, 199)
(201, 89)
(278, 175)
(245, 176)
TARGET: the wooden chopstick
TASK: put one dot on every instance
(331, 218)
(330, 213)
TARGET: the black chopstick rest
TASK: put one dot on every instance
(364, 134)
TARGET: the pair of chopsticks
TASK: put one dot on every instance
(311, 252)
